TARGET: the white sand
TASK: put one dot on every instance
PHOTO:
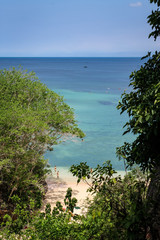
(57, 188)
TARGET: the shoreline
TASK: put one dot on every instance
(57, 187)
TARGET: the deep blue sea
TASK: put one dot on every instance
(93, 87)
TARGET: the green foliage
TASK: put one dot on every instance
(70, 202)
(55, 224)
(33, 119)
(119, 208)
(154, 21)
(20, 217)
(81, 171)
(99, 176)
(143, 107)
(155, 1)
(116, 212)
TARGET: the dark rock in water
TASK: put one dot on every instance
(106, 103)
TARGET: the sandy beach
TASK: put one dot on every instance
(57, 188)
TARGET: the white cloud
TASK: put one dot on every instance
(137, 4)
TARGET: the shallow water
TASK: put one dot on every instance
(92, 86)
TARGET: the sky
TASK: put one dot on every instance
(75, 28)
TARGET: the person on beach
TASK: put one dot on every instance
(57, 174)
(55, 169)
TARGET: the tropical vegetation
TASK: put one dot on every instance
(34, 119)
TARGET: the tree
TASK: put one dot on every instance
(115, 212)
(33, 119)
(142, 105)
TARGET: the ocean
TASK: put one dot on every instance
(93, 87)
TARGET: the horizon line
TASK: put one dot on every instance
(75, 57)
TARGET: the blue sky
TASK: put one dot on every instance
(75, 28)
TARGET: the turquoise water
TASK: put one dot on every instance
(98, 117)
(93, 91)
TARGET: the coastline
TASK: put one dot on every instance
(57, 188)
